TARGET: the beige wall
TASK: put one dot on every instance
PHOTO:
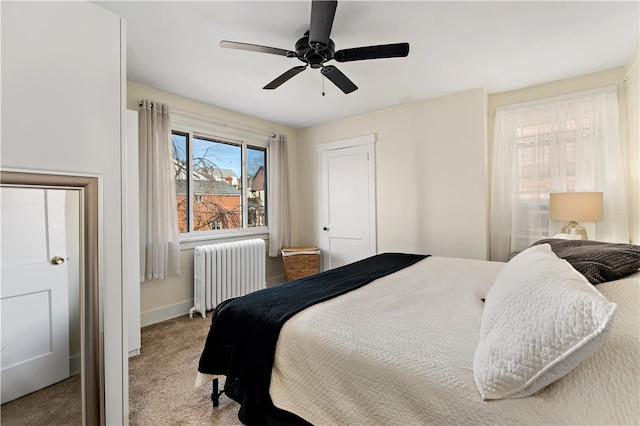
(160, 299)
(430, 174)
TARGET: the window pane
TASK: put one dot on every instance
(180, 163)
(536, 146)
(256, 186)
(217, 200)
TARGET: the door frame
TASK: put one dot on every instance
(369, 141)
(92, 377)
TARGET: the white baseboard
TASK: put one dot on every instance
(165, 313)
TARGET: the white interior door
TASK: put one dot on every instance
(347, 205)
(34, 299)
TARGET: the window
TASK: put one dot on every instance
(570, 143)
(220, 182)
(547, 162)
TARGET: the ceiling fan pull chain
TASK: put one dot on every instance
(322, 77)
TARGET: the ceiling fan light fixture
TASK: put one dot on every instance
(316, 48)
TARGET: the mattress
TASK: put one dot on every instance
(400, 351)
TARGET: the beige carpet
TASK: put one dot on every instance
(161, 385)
(162, 377)
(60, 404)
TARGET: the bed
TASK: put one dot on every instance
(551, 337)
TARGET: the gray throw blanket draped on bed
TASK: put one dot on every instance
(244, 332)
(598, 261)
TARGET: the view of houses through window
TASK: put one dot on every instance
(212, 172)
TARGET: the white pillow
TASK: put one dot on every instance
(568, 236)
(541, 318)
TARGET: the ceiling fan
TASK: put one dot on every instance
(315, 48)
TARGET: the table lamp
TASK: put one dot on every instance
(574, 207)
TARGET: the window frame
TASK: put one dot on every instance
(200, 127)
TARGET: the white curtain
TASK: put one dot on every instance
(159, 235)
(568, 143)
(278, 204)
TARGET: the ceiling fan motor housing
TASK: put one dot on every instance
(315, 58)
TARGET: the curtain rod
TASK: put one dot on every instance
(220, 122)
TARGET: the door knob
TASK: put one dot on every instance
(325, 228)
(57, 260)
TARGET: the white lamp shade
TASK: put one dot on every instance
(576, 206)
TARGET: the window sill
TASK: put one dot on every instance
(191, 241)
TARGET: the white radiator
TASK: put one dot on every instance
(222, 271)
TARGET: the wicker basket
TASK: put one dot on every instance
(300, 262)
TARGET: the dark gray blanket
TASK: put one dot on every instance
(244, 332)
(598, 261)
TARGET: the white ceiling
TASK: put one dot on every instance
(455, 46)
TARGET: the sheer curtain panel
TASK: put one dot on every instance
(568, 143)
(159, 235)
(278, 183)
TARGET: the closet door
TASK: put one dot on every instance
(347, 204)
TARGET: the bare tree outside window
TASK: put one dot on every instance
(257, 186)
(216, 184)
(179, 144)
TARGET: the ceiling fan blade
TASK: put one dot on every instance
(397, 50)
(256, 48)
(339, 79)
(285, 76)
(322, 14)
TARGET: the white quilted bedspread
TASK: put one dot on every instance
(400, 351)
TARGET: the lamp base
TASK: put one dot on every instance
(574, 229)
